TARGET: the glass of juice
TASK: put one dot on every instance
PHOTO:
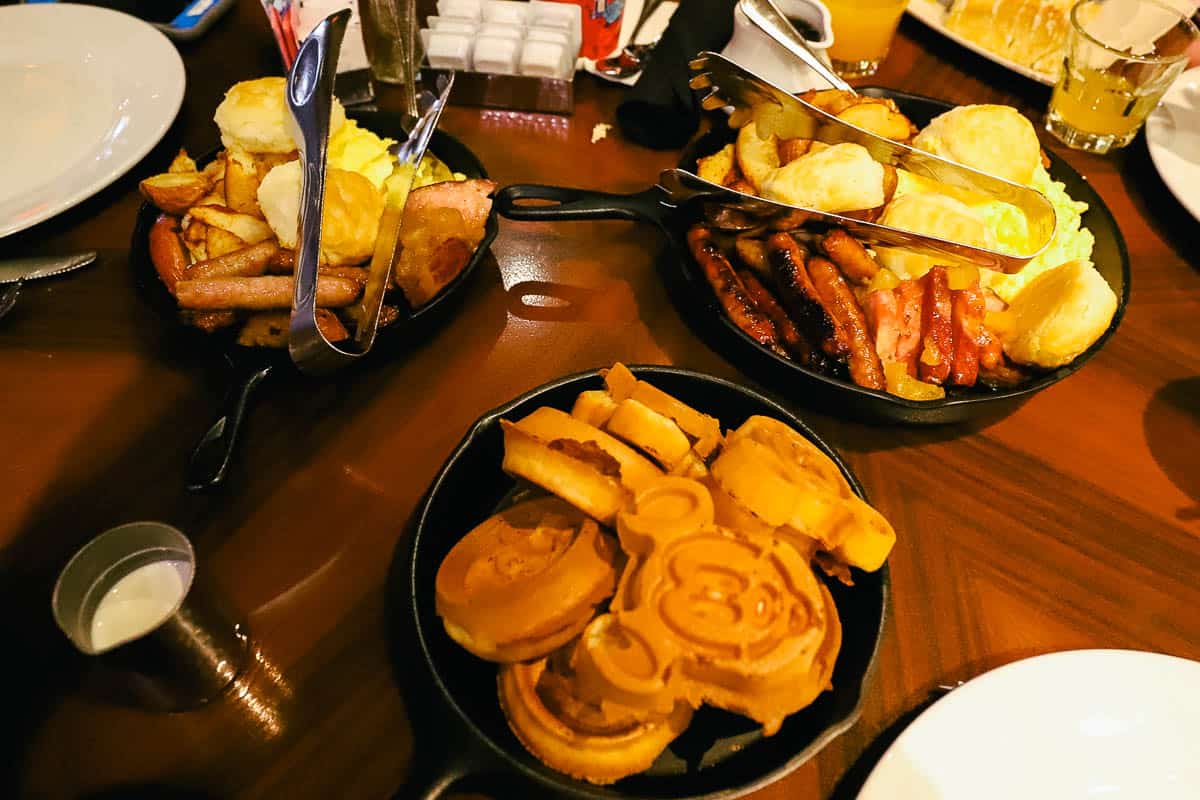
(1121, 56)
(862, 34)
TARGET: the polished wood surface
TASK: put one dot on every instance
(1073, 522)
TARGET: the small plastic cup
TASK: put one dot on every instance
(129, 598)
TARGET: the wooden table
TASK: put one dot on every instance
(1072, 523)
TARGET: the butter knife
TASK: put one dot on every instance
(25, 269)
(379, 274)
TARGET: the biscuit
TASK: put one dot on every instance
(254, 117)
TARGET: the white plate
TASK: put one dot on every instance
(86, 92)
(1077, 725)
(933, 14)
(1173, 139)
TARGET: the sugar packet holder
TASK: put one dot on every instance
(494, 36)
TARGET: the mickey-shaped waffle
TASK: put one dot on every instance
(717, 602)
(709, 614)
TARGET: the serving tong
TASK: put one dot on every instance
(310, 98)
(736, 87)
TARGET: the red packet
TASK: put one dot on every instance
(292, 20)
(601, 26)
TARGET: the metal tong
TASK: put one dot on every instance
(743, 90)
(310, 99)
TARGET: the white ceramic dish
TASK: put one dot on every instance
(933, 14)
(1173, 139)
(1076, 725)
(86, 93)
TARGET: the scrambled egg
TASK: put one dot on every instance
(1071, 242)
(1009, 229)
(431, 170)
(356, 149)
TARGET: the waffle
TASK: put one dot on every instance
(1032, 33)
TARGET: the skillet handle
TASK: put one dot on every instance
(569, 204)
(210, 461)
(432, 776)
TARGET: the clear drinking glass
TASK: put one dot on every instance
(391, 42)
(862, 34)
(1121, 56)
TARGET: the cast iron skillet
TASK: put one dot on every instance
(462, 732)
(696, 302)
(250, 366)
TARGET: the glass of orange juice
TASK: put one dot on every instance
(1121, 57)
(862, 34)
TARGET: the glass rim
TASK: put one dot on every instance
(1186, 20)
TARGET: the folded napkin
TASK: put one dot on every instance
(661, 111)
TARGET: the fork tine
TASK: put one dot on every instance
(699, 63)
(714, 101)
(701, 81)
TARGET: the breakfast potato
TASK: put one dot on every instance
(215, 169)
(175, 192)
(218, 242)
(791, 149)
(753, 253)
(881, 120)
(241, 184)
(265, 162)
(756, 156)
(195, 238)
(270, 328)
(832, 101)
(209, 321)
(250, 230)
(182, 162)
(716, 168)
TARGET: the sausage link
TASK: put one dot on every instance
(729, 290)
(789, 335)
(799, 296)
(865, 368)
(166, 251)
(849, 254)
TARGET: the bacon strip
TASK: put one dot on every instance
(799, 296)
(937, 347)
(729, 289)
(884, 322)
(967, 318)
(910, 295)
(865, 367)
